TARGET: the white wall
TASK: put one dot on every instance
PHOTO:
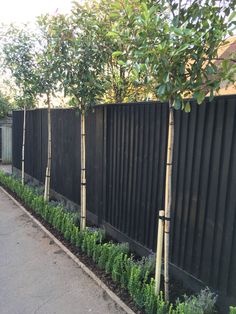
(6, 144)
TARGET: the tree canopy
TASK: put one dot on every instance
(175, 47)
(117, 51)
(19, 58)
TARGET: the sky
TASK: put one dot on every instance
(23, 11)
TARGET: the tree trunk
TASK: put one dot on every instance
(23, 150)
(83, 173)
(168, 198)
(49, 158)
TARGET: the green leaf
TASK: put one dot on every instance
(199, 96)
(161, 90)
(112, 34)
(117, 54)
(120, 62)
(177, 104)
(232, 16)
(178, 31)
(184, 47)
(211, 94)
(167, 77)
(187, 107)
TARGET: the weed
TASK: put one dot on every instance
(203, 303)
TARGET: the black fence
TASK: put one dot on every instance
(126, 149)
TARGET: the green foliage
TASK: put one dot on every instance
(175, 47)
(232, 310)
(77, 54)
(136, 284)
(74, 234)
(150, 303)
(124, 51)
(90, 241)
(5, 105)
(115, 250)
(19, 58)
(201, 304)
(135, 276)
(97, 252)
(147, 264)
(48, 64)
(104, 254)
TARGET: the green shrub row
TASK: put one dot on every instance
(113, 258)
(232, 310)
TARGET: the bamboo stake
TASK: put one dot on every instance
(49, 159)
(159, 252)
(23, 150)
(168, 198)
(83, 173)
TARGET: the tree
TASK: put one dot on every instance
(47, 82)
(80, 64)
(178, 43)
(18, 50)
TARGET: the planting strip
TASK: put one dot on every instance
(98, 281)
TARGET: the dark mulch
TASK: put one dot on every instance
(177, 289)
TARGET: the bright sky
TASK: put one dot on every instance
(22, 11)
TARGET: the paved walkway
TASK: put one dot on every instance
(36, 276)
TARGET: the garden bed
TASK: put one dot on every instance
(131, 279)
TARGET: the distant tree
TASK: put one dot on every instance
(18, 53)
(5, 106)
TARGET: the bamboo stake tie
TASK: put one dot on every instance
(159, 251)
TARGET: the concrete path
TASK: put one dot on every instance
(36, 276)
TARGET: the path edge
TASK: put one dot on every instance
(98, 281)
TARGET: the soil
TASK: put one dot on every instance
(177, 289)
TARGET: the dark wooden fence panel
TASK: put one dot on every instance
(17, 133)
(33, 144)
(66, 153)
(125, 155)
(94, 160)
(204, 201)
(136, 137)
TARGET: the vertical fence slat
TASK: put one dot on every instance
(222, 190)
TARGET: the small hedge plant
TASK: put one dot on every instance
(113, 258)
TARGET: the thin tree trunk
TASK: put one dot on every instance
(168, 198)
(83, 173)
(49, 158)
(23, 150)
